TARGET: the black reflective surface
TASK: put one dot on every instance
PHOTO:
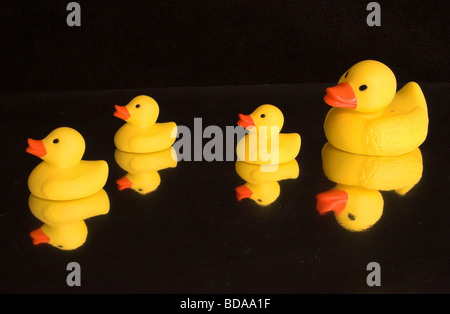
(191, 235)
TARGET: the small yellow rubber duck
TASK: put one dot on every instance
(62, 175)
(258, 174)
(263, 194)
(384, 173)
(64, 225)
(143, 183)
(370, 117)
(141, 133)
(355, 208)
(265, 145)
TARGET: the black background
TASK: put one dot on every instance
(141, 44)
(191, 235)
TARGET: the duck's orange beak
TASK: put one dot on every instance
(333, 200)
(122, 112)
(39, 237)
(245, 121)
(124, 183)
(36, 147)
(342, 96)
(243, 192)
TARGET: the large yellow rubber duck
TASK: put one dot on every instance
(263, 194)
(64, 225)
(370, 117)
(258, 174)
(384, 173)
(265, 144)
(141, 133)
(62, 175)
(355, 208)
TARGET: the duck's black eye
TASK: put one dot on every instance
(56, 141)
(259, 200)
(263, 115)
(363, 87)
(140, 190)
(346, 74)
(138, 106)
(351, 217)
(60, 246)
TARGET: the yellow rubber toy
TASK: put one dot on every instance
(139, 163)
(265, 145)
(355, 208)
(259, 174)
(62, 175)
(384, 173)
(142, 183)
(370, 118)
(141, 133)
(263, 194)
(64, 225)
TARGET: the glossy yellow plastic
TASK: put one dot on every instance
(146, 162)
(370, 118)
(258, 174)
(265, 145)
(62, 175)
(385, 173)
(64, 225)
(142, 183)
(355, 208)
(263, 194)
(141, 133)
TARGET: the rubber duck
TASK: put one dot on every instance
(258, 174)
(263, 194)
(146, 162)
(264, 126)
(64, 225)
(62, 175)
(143, 183)
(384, 173)
(141, 133)
(65, 237)
(355, 208)
(370, 118)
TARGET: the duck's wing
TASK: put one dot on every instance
(405, 123)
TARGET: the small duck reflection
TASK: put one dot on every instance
(262, 180)
(64, 226)
(142, 169)
(356, 200)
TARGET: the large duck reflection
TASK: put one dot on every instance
(356, 200)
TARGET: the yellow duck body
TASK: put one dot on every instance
(143, 183)
(146, 162)
(141, 133)
(62, 175)
(385, 173)
(64, 212)
(265, 145)
(355, 208)
(370, 117)
(65, 237)
(258, 174)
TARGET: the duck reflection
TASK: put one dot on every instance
(142, 169)
(356, 200)
(262, 180)
(64, 226)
